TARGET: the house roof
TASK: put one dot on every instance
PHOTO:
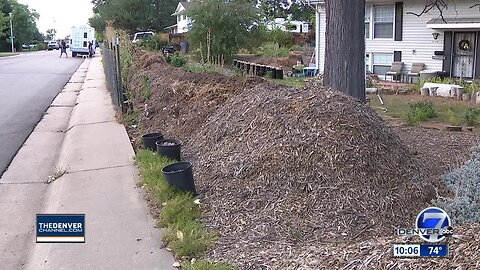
(454, 23)
(179, 10)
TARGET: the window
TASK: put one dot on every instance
(367, 62)
(179, 18)
(382, 63)
(85, 35)
(368, 15)
(383, 18)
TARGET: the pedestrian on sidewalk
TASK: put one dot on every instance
(63, 48)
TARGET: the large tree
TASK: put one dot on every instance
(221, 27)
(24, 23)
(133, 15)
(345, 47)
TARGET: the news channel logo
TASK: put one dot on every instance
(432, 225)
(60, 228)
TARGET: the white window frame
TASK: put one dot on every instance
(372, 19)
(368, 62)
(369, 9)
(372, 56)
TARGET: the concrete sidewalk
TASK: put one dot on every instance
(100, 182)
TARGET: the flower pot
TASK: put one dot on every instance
(169, 148)
(279, 72)
(180, 176)
(150, 139)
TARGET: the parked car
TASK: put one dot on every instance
(30, 46)
(137, 38)
(168, 49)
(52, 45)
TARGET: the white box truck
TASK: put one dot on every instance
(82, 41)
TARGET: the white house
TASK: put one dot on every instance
(289, 25)
(183, 21)
(392, 33)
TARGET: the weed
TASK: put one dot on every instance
(176, 60)
(472, 116)
(420, 111)
(453, 119)
(57, 173)
(146, 88)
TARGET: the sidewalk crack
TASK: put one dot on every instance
(99, 169)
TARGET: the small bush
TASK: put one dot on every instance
(453, 118)
(464, 207)
(282, 38)
(472, 116)
(271, 49)
(154, 43)
(176, 60)
(420, 111)
(146, 88)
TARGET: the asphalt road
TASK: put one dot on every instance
(28, 85)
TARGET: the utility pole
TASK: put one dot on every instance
(11, 32)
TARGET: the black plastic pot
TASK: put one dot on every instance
(170, 151)
(274, 73)
(279, 73)
(263, 70)
(150, 139)
(180, 176)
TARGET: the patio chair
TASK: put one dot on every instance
(395, 70)
(415, 72)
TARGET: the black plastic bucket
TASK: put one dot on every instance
(279, 73)
(169, 148)
(180, 176)
(150, 139)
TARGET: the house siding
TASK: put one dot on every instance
(416, 36)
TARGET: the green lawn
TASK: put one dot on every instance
(5, 54)
(398, 107)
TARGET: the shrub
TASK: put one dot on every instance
(420, 111)
(472, 116)
(283, 39)
(465, 182)
(271, 49)
(154, 43)
(176, 60)
(453, 119)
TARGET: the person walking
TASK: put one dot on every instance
(63, 48)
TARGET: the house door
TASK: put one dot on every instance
(463, 54)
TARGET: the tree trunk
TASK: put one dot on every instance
(345, 47)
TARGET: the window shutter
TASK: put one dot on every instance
(398, 21)
(397, 56)
(447, 52)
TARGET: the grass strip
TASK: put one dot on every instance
(180, 216)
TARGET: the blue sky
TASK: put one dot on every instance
(61, 15)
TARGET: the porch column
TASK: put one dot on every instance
(317, 38)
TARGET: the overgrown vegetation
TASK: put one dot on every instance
(464, 207)
(180, 216)
(176, 59)
(420, 111)
(472, 116)
(453, 118)
(146, 88)
(154, 43)
(271, 49)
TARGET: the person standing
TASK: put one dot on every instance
(63, 48)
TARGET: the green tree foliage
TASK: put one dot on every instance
(133, 15)
(50, 35)
(24, 23)
(221, 27)
(297, 9)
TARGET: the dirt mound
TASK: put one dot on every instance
(280, 166)
(290, 165)
(180, 101)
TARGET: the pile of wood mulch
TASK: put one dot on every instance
(290, 178)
